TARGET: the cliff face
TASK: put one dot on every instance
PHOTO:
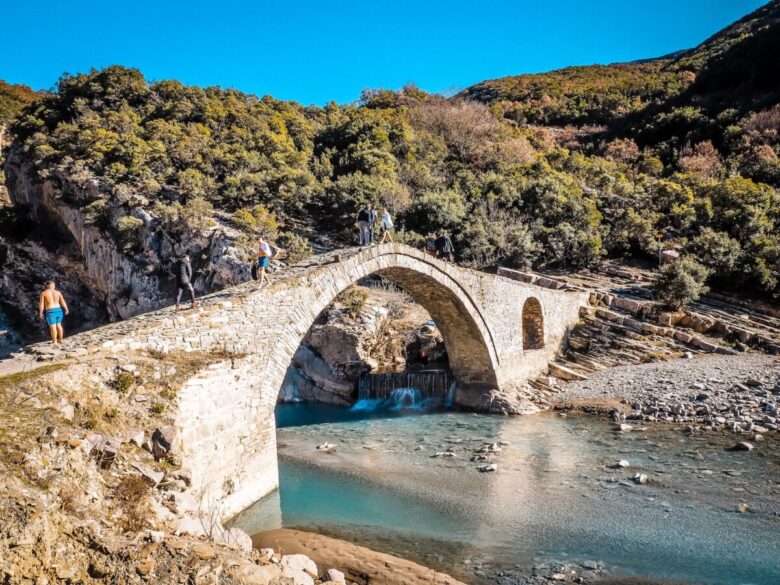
(128, 281)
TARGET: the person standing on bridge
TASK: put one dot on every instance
(444, 248)
(430, 245)
(366, 220)
(371, 223)
(52, 304)
(184, 280)
(264, 253)
(386, 226)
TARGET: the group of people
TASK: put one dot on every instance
(367, 222)
(265, 252)
(438, 245)
(52, 306)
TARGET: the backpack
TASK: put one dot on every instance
(254, 271)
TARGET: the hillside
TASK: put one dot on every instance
(552, 171)
(13, 99)
(721, 92)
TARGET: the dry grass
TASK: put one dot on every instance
(16, 380)
(130, 493)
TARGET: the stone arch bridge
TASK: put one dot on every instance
(498, 332)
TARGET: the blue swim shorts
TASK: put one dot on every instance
(263, 261)
(54, 316)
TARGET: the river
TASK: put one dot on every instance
(706, 515)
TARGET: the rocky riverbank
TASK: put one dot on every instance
(735, 393)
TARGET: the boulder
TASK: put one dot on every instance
(248, 573)
(334, 576)
(299, 562)
(101, 448)
(300, 568)
(192, 526)
(742, 446)
(203, 550)
(152, 475)
(162, 440)
(137, 439)
(67, 410)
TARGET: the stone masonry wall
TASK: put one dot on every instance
(227, 437)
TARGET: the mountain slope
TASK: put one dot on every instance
(739, 62)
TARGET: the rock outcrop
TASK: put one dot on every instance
(130, 277)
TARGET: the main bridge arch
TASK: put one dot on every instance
(470, 344)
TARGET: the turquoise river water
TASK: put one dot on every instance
(707, 515)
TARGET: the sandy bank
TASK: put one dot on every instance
(360, 565)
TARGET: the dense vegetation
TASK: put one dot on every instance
(553, 170)
(13, 99)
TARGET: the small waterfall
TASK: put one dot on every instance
(406, 391)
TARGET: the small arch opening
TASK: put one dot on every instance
(533, 325)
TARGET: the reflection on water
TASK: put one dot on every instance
(555, 495)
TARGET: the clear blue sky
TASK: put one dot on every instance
(317, 51)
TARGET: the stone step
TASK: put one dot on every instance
(565, 373)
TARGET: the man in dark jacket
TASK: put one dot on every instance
(184, 280)
(444, 248)
(366, 221)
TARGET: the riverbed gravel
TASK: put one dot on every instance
(738, 393)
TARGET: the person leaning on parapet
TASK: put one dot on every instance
(444, 248)
(184, 280)
(386, 226)
(52, 305)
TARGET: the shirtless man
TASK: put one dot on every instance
(53, 303)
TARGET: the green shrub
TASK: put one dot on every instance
(95, 212)
(353, 301)
(122, 382)
(196, 214)
(127, 227)
(128, 223)
(256, 220)
(435, 211)
(681, 282)
(297, 248)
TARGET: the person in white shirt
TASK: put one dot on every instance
(386, 226)
(264, 254)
